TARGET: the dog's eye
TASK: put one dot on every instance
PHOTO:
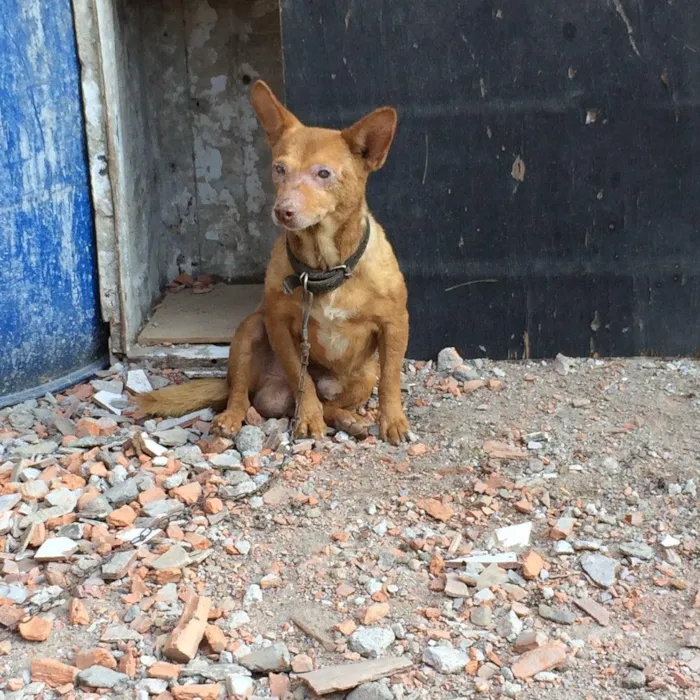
(324, 174)
(280, 169)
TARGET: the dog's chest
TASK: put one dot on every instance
(330, 319)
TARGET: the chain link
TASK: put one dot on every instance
(307, 299)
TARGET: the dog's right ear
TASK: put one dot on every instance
(371, 137)
(273, 116)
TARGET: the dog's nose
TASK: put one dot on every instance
(284, 211)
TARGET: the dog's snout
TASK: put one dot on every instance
(285, 211)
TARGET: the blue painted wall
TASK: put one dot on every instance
(49, 309)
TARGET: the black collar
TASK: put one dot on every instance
(319, 281)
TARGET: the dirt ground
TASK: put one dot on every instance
(358, 541)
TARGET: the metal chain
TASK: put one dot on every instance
(307, 299)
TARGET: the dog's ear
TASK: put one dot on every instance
(371, 137)
(273, 116)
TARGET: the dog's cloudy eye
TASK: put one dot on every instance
(324, 174)
(280, 169)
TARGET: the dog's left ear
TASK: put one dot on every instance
(371, 137)
(273, 116)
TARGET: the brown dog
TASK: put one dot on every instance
(359, 320)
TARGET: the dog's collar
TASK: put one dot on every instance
(318, 281)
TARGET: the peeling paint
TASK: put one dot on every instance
(204, 23)
(229, 148)
(49, 317)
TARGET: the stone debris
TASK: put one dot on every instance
(110, 400)
(175, 558)
(526, 641)
(514, 536)
(445, 659)
(691, 640)
(119, 633)
(448, 360)
(137, 382)
(481, 616)
(602, 570)
(310, 628)
(563, 528)
(371, 691)
(334, 679)
(56, 549)
(492, 575)
(528, 538)
(637, 550)
(371, 642)
(238, 685)
(148, 446)
(503, 558)
(174, 437)
(272, 659)
(250, 440)
(101, 677)
(455, 588)
(208, 691)
(562, 364)
(594, 609)
(557, 615)
(502, 450)
(119, 565)
(634, 680)
(540, 659)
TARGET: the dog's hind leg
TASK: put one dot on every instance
(341, 411)
(245, 365)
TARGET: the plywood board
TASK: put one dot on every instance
(187, 317)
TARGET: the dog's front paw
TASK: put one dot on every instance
(350, 422)
(393, 427)
(311, 423)
(228, 423)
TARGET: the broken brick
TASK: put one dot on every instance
(209, 691)
(36, 629)
(183, 642)
(164, 671)
(95, 657)
(215, 638)
(533, 563)
(52, 672)
(77, 613)
(540, 659)
(188, 493)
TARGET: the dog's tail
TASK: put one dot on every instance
(184, 398)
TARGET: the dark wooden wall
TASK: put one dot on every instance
(543, 193)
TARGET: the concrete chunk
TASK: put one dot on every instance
(334, 679)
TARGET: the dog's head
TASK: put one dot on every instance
(320, 173)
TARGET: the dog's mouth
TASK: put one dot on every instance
(296, 223)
